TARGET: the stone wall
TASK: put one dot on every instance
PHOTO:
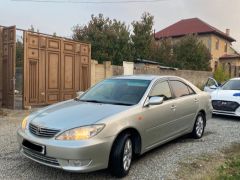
(198, 78)
(117, 70)
(100, 72)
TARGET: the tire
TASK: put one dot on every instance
(122, 149)
(199, 126)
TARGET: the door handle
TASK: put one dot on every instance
(195, 100)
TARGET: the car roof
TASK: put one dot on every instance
(155, 77)
(235, 78)
(140, 77)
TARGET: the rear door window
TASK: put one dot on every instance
(180, 89)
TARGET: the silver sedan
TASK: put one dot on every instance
(114, 121)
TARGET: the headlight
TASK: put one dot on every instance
(24, 123)
(81, 133)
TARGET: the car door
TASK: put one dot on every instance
(158, 118)
(187, 102)
(211, 85)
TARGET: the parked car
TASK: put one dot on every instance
(225, 98)
(211, 85)
(114, 121)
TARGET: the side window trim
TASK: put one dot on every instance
(160, 81)
(188, 87)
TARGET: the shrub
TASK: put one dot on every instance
(220, 75)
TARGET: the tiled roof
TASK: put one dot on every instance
(190, 26)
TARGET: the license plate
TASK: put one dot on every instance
(34, 146)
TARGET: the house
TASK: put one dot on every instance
(219, 43)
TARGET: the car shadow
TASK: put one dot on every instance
(225, 118)
(162, 148)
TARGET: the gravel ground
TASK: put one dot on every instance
(160, 163)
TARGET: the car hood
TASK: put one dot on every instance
(71, 114)
(227, 95)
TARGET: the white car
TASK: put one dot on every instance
(226, 98)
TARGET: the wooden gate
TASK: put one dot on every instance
(9, 64)
(54, 69)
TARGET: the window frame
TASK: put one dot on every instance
(188, 87)
(217, 44)
(225, 47)
(160, 81)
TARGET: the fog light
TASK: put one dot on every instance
(79, 163)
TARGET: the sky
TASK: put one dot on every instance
(61, 17)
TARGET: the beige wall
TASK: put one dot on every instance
(128, 68)
(198, 78)
(1, 66)
(216, 53)
(232, 66)
(100, 72)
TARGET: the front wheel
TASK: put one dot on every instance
(121, 156)
(199, 126)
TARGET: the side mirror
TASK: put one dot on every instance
(213, 87)
(79, 93)
(155, 100)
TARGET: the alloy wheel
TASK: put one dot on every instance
(127, 154)
(199, 126)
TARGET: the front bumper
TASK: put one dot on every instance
(75, 156)
(226, 109)
(227, 113)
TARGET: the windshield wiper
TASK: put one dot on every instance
(77, 99)
(120, 103)
(93, 101)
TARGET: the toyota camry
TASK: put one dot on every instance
(113, 122)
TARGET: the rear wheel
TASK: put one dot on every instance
(121, 156)
(199, 126)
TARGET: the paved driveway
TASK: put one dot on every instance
(160, 163)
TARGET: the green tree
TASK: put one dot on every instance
(142, 36)
(110, 39)
(220, 75)
(162, 52)
(191, 53)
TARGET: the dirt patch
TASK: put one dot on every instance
(206, 167)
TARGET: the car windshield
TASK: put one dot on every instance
(117, 91)
(231, 85)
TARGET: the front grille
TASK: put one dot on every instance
(42, 132)
(224, 105)
(40, 157)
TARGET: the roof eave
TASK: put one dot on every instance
(235, 57)
(230, 39)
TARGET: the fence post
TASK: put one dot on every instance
(128, 68)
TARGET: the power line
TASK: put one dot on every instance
(90, 2)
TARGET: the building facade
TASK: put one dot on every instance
(219, 43)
